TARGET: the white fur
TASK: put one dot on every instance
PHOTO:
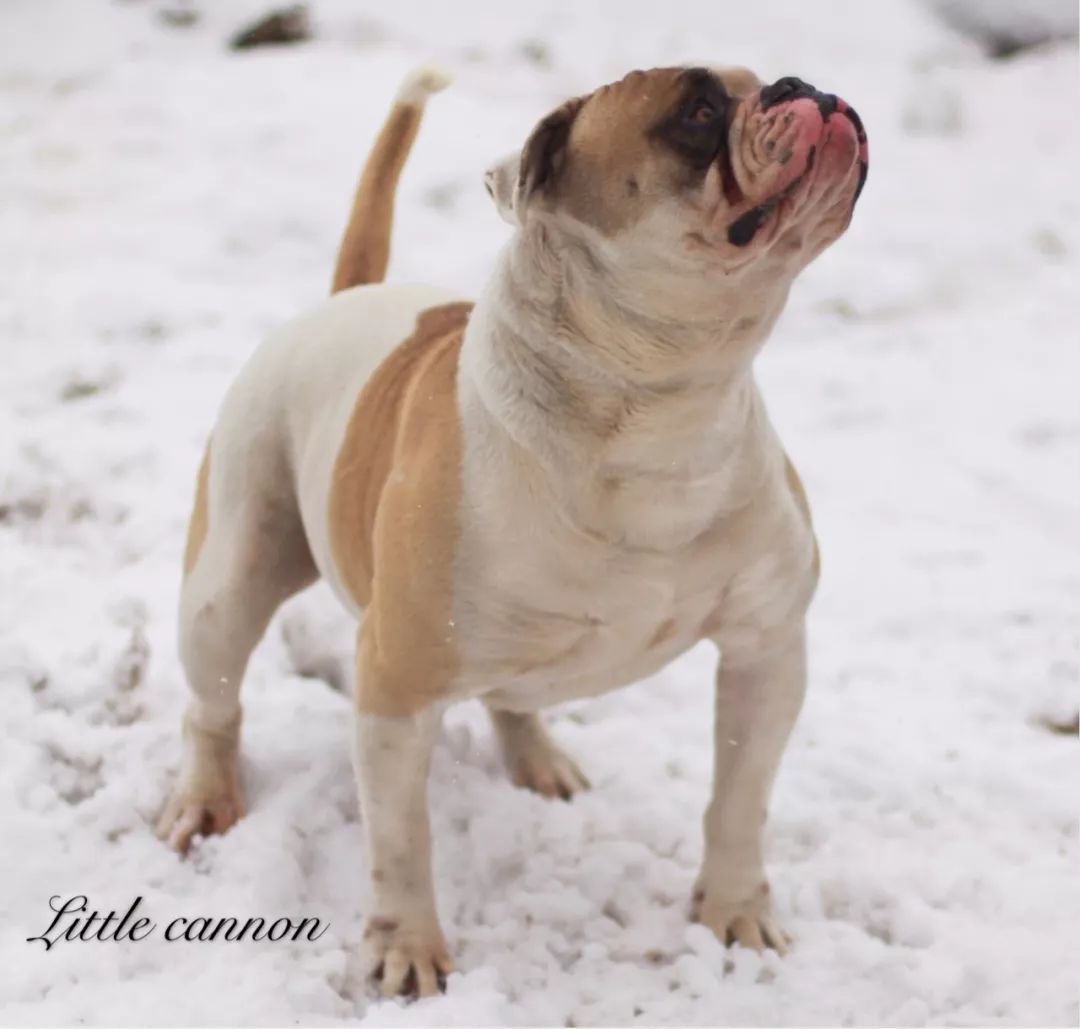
(420, 83)
(578, 550)
(392, 757)
(303, 383)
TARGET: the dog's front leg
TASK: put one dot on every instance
(405, 943)
(757, 701)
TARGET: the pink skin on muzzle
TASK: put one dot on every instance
(787, 158)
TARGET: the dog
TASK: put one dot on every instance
(543, 495)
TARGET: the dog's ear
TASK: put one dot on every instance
(544, 153)
(500, 180)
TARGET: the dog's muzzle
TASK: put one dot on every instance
(814, 109)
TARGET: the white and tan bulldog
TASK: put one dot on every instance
(543, 495)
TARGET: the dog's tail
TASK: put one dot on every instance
(365, 247)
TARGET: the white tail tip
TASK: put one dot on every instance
(421, 82)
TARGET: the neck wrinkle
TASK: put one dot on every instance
(557, 343)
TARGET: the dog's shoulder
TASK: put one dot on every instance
(400, 452)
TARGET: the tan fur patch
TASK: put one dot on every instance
(739, 82)
(365, 248)
(393, 516)
(615, 170)
(199, 522)
(799, 492)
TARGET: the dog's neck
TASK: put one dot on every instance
(629, 378)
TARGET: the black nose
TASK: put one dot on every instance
(784, 90)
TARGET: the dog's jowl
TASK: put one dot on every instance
(547, 494)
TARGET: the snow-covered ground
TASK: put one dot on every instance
(164, 202)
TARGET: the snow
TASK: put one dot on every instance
(166, 201)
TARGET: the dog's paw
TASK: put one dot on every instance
(749, 923)
(534, 760)
(409, 961)
(200, 806)
(548, 770)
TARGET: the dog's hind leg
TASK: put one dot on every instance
(246, 554)
(533, 758)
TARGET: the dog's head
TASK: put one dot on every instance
(692, 168)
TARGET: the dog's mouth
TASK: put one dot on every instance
(795, 146)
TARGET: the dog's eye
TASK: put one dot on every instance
(696, 128)
(701, 112)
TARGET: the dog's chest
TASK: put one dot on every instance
(576, 578)
(541, 624)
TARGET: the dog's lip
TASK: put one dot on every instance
(743, 229)
(732, 190)
(849, 112)
(751, 215)
(852, 116)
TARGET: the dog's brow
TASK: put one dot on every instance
(702, 78)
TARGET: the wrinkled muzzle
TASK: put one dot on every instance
(790, 148)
